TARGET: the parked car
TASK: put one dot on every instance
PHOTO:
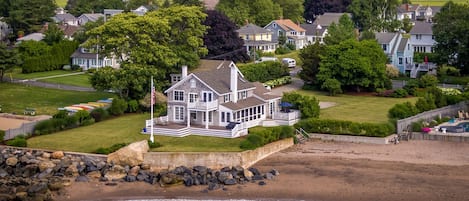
(291, 63)
(262, 59)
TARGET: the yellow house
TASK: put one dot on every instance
(257, 38)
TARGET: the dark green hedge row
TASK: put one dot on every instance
(54, 59)
(264, 71)
(18, 141)
(62, 121)
(259, 136)
(110, 149)
(340, 127)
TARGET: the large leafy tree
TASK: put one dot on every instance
(189, 2)
(310, 55)
(83, 33)
(291, 9)
(342, 31)
(314, 8)
(260, 12)
(53, 34)
(27, 15)
(222, 40)
(375, 15)
(78, 7)
(450, 30)
(9, 58)
(355, 64)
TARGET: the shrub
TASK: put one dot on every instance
(332, 86)
(308, 105)
(60, 115)
(82, 116)
(411, 87)
(259, 136)
(118, 107)
(87, 122)
(264, 71)
(402, 111)
(426, 103)
(110, 149)
(428, 80)
(340, 127)
(448, 70)
(99, 114)
(18, 141)
(278, 82)
(153, 144)
(132, 106)
(74, 67)
(399, 93)
(282, 50)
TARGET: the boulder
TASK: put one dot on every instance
(134, 171)
(223, 176)
(3, 173)
(115, 173)
(230, 182)
(44, 165)
(213, 186)
(46, 155)
(131, 155)
(12, 161)
(274, 172)
(57, 155)
(94, 174)
(269, 176)
(39, 188)
(55, 184)
(247, 174)
(82, 178)
(71, 171)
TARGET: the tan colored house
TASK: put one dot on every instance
(257, 38)
(294, 33)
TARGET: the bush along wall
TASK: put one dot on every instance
(339, 127)
(260, 136)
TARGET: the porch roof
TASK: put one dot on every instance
(243, 103)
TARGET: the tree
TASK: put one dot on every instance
(354, 64)
(342, 31)
(222, 40)
(291, 9)
(375, 15)
(407, 24)
(9, 58)
(332, 86)
(78, 7)
(82, 34)
(450, 31)
(28, 15)
(53, 34)
(165, 39)
(310, 56)
(314, 8)
(260, 12)
(189, 2)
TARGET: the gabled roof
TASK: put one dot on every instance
(287, 25)
(422, 28)
(252, 29)
(64, 17)
(32, 36)
(402, 45)
(92, 16)
(243, 103)
(313, 29)
(84, 55)
(385, 37)
(263, 93)
(68, 30)
(216, 74)
(328, 18)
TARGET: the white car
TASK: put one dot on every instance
(291, 63)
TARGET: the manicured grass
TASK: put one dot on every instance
(17, 97)
(81, 80)
(126, 129)
(357, 108)
(18, 75)
(61, 3)
(435, 2)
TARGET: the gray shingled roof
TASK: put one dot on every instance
(32, 36)
(244, 103)
(263, 93)
(217, 75)
(384, 37)
(327, 18)
(80, 54)
(64, 17)
(402, 45)
(312, 29)
(93, 16)
(422, 28)
(252, 29)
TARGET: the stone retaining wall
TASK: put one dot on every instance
(355, 139)
(215, 160)
(448, 138)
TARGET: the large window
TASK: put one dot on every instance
(179, 95)
(193, 97)
(242, 95)
(178, 113)
(207, 96)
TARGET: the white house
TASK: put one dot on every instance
(88, 59)
(398, 49)
(317, 30)
(257, 38)
(294, 33)
(216, 100)
(422, 38)
(4, 30)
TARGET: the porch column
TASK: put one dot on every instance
(206, 119)
(188, 116)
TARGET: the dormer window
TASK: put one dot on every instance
(193, 83)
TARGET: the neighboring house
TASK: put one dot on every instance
(4, 30)
(89, 17)
(417, 12)
(257, 38)
(86, 59)
(68, 30)
(139, 11)
(318, 29)
(422, 38)
(294, 33)
(32, 36)
(398, 49)
(65, 18)
(215, 100)
(111, 12)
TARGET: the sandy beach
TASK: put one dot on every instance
(326, 171)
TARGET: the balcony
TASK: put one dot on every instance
(287, 116)
(197, 105)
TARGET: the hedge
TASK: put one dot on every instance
(339, 127)
(110, 149)
(55, 58)
(259, 136)
(264, 71)
(18, 141)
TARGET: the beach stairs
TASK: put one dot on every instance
(301, 135)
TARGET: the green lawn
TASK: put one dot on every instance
(81, 80)
(436, 2)
(126, 129)
(17, 97)
(18, 75)
(61, 3)
(357, 108)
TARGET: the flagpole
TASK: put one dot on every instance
(151, 105)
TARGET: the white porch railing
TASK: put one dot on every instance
(163, 120)
(292, 115)
(203, 105)
(239, 130)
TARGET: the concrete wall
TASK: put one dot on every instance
(215, 160)
(355, 139)
(448, 138)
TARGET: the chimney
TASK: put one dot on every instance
(184, 72)
(234, 84)
(407, 7)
